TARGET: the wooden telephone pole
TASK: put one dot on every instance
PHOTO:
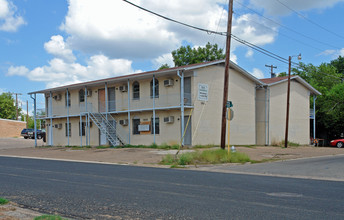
(227, 62)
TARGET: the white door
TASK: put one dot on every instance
(102, 136)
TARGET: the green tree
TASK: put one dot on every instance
(164, 66)
(338, 64)
(186, 55)
(7, 106)
(330, 105)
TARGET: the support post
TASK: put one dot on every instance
(182, 105)
(67, 116)
(27, 113)
(86, 124)
(226, 75)
(128, 112)
(314, 122)
(80, 127)
(51, 119)
(34, 118)
(153, 123)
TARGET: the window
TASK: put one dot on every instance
(83, 125)
(81, 95)
(136, 123)
(156, 124)
(156, 89)
(67, 99)
(70, 130)
(136, 90)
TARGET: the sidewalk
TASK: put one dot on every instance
(150, 157)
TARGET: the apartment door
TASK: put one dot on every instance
(101, 100)
(102, 135)
(112, 99)
(187, 137)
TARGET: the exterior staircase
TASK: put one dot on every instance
(107, 125)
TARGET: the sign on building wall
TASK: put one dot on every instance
(203, 92)
(144, 127)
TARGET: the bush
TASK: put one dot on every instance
(205, 157)
(3, 201)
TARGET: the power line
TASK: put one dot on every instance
(246, 43)
(301, 42)
(178, 22)
(309, 20)
(286, 27)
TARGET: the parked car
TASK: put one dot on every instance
(337, 143)
(25, 132)
(40, 134)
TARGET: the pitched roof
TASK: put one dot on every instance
(277, 80)
(148, 74)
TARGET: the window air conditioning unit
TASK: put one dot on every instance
(89, 93)
(169, 119)
(123, 88)
(123, 122)
(168, 82)
(57, 97)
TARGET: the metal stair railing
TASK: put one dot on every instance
(105, 127)
(112, 130)
(119, 130)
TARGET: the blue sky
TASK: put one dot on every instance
(51, 43)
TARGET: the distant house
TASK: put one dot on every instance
(173, 106)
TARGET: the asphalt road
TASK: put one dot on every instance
(86, 191)
(321, 168)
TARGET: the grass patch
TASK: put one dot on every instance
(281, 144)
(104, 147)
(204, 146)
(75, 147)
(205, 157)
(154, 146)
(3, 201)
(49, 217)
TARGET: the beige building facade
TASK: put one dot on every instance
(181, 105)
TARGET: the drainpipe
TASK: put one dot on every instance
(67, 117)
(128, 112)
(314, 133)
(181, 103)
(154, 108)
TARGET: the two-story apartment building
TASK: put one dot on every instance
(181, 104)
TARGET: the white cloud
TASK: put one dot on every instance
(333, 53)
(249, 53)
(9, 21)
(59, 72)
(117, 29)
(257, 73)
(57, 47)
(273, 7)
(163, 59)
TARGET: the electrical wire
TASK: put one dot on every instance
(286, 27)
(248, 44)
(301, 42)
(309, 20)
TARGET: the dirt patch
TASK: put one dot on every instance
(12, 211)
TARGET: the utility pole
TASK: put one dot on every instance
(16, 102)
(272, 70)
(226, 77)
(288, 99)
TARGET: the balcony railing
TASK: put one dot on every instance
(143, 103)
